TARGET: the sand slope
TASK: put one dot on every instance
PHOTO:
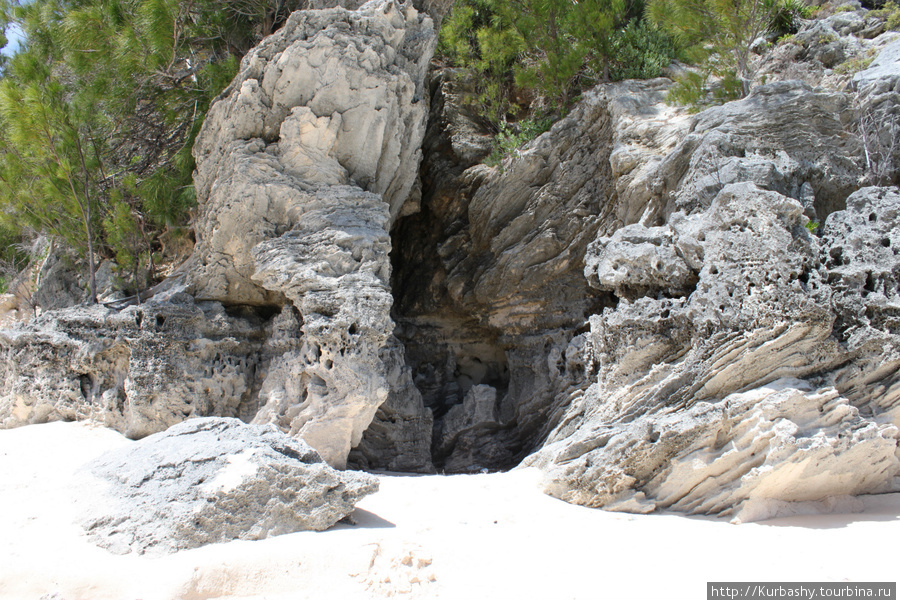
(466, 537)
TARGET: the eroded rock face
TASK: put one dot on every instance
(138, 371)
(303, 164)
(213, 480)
(489, 275)
(784, 137)
(699, 405)
(334, 98)
(635, 299)
(302, 167)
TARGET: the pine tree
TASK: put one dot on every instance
(49, 166)
(555, 58)
(479, 36)
(719, 32)
(594, 24)
(100, 109)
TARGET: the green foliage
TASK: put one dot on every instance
(50, 164)
(854, 65)
(689, 90)
(719, 33)
(514, 136)
(533, 57)
(787, 17)
(478, 38)
(789, 39)
(100, 109)
(812, 226)
(893, 20)
(552, 59)
(125, 235)
(641, 51)
(890, 12)
(12, 258)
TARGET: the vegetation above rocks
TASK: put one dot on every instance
(531, 58)
(100, 107)
(98, 112)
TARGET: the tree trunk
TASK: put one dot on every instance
(92, 278)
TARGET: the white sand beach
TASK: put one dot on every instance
(461, 537)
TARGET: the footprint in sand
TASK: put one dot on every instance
(398, 570)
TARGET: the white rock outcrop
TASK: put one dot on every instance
(661, 310)
(771, 378)
(139, 370)
(302, 166)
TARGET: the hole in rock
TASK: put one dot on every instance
(836, 255)
(259, 314)
(465, 321)
(86, 384)
(870, 283)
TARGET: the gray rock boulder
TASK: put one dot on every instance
(213, 480)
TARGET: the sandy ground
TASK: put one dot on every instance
(459, 537)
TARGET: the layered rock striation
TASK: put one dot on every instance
(721, 394)
(693, 354)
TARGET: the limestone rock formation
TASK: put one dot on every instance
(302, 166)
(436, 9)
(784, 137)
(662, 310)
(321, 132)
(825, 52)
(691, 409)
(334, 98)
(139, 370)
(488, 276)
(213, 480)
